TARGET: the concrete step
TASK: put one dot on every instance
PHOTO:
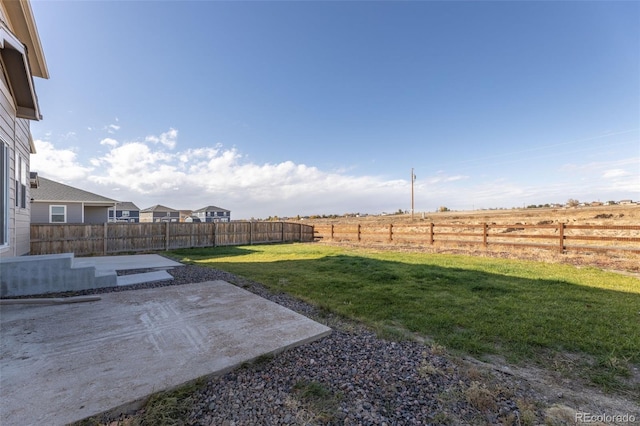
(105, 279)
(144, 277)
(53, 273)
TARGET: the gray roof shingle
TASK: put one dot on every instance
(126, 205)
(158, 208)
(49, 190)
(211, 209)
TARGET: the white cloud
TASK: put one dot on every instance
(69, 135)
(154, 171)
(615, 173)
(167, 139)
(112, 128)
(443, 178)
(58, 164)
(109, 141)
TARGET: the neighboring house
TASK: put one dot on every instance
(21, 58)
(159, 213)
(185, 214)
(54, 202)
(124, 211)
(212, 214)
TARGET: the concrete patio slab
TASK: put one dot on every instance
(63, 363)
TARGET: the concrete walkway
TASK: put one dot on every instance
(63, 363)
(121, 263)
(105, 265)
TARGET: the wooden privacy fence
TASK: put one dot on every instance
(561, 237)
(111, 238)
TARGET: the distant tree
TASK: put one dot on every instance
(443, 209)
(573, 203)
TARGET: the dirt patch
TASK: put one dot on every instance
(561, 396)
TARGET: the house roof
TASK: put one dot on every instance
(51, 191)
(211, 209)
(158, 208)
(126, 205)
(22, 57)
(23, 24)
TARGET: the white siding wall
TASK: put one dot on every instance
(15, 132)
(23, 215)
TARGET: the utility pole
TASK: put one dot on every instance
(413, 178)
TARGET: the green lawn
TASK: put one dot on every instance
(527, 312)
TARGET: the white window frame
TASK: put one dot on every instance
(51, 213)
(16, 179)
(24, 181)
(4, 193)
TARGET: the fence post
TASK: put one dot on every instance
(391, 232)
(332, 231)
(300, 232)
(250, 233)
(561, 236)
(485, 230)
(282, 238)
(105, 238)
(215, 234)
(431, 233)
(358, 232)
(166, 237)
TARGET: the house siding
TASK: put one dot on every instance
(23, 215)
(40, 212)
(15, 133)
(134, 216)
(172, 216)
(158, 216)
(96, 214)
(146, 217)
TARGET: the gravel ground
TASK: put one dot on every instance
(355, 377)
(351, 377)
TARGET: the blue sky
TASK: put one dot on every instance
(287, 108)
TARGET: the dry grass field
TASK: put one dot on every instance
(524, 227)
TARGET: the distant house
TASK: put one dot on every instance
(159, 213)
(625, 202)
(185, 214)
(212, 214)
(124, 211)
(21, 59)
(54, 202)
